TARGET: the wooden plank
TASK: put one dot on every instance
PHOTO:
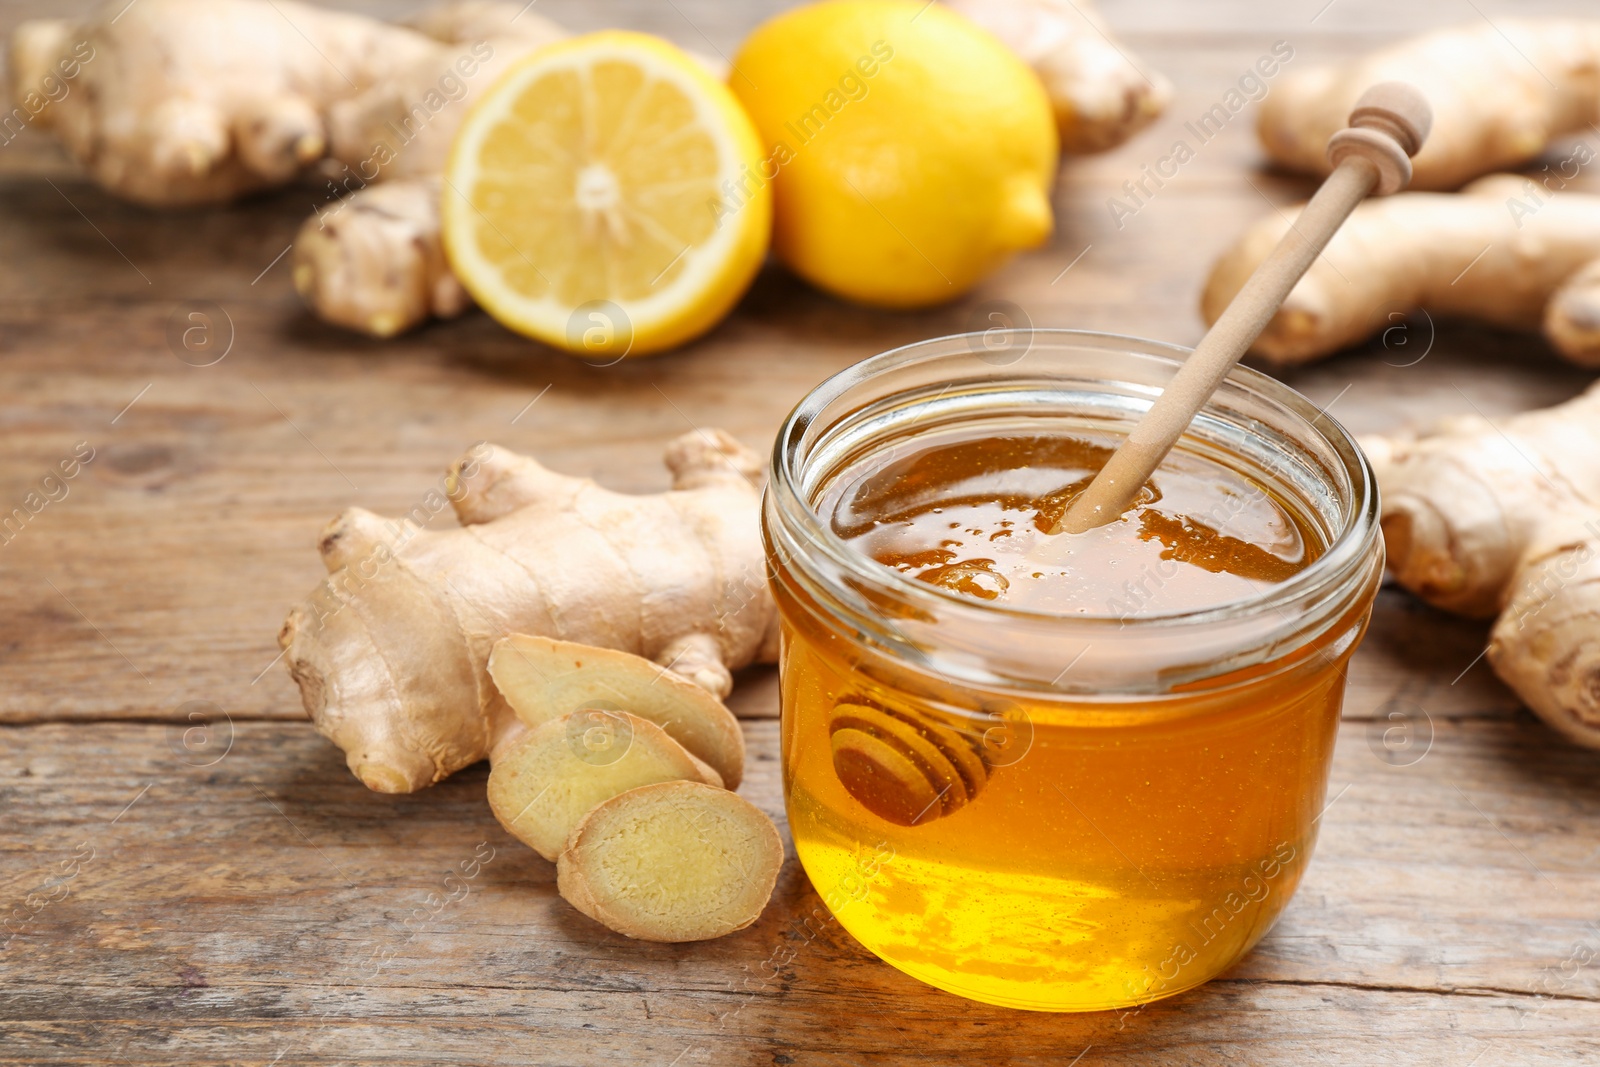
(255, 909)
(258, 907)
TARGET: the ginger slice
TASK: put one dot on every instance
(937, 767)
(545, 781)
(542, 678)
(677, 861)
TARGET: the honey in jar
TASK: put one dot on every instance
(1064, 772)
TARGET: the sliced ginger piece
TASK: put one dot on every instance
(547, 780)
(542, 679)
(678, 861)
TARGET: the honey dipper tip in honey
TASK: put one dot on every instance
(902, 766)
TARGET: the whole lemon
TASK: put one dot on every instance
(909, 152)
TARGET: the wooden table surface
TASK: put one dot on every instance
(240, 898)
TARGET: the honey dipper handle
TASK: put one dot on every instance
(1387, 127)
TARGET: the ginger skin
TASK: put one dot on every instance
(1483, 517)
(375, 263)
(185, 102)
(1500, 94)
(391, 652)
(403, 126)
(1099, 96)
(1503, 251)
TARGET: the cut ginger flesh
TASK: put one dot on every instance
(679, 861)
(593, 183)
(542, 678)
(542, 785)
(969, 513)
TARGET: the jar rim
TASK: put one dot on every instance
(1346, 552)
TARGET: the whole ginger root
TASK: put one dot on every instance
(1500, 94)
(1099, 96)
(177, 102)
(391, 652)
(1483, 517)
(1505, 250)
(522, 637)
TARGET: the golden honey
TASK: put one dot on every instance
(1058, 779)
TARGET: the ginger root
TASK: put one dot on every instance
(1484, 516)
(1503, 251)
(1500, 94)
(1100, 97)
(403, 126)
(677, 861)
(423, 653)
(375, 262)
(391, 652)
(200, 101)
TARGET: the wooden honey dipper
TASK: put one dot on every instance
(904, 767)
(908, 769)
(1373, 155)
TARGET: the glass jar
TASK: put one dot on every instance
(1141, 791)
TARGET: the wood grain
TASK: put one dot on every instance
(254, 910)
(267, 908)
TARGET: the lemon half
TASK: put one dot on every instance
(593, 197)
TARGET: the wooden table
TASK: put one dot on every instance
(240, 898)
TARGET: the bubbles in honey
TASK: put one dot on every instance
(974, 577)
